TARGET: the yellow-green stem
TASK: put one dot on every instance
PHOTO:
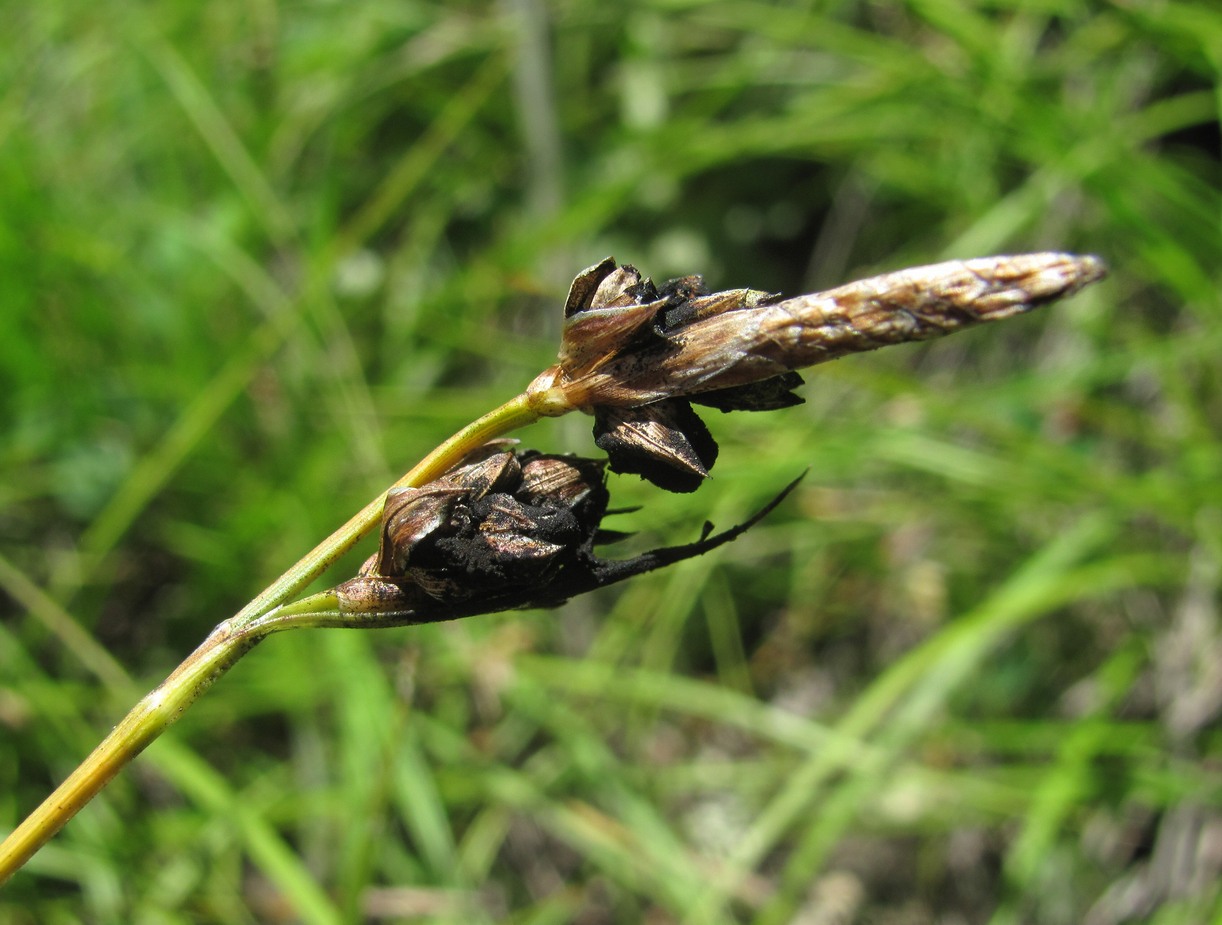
(232, 639)
(223, 647)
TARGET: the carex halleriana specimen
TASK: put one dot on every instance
(504, 529)
(478, 527)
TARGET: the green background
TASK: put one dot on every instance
(256, 259)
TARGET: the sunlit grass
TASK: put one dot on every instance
(258, 260)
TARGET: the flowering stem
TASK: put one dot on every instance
(634, 356)
(233, 638)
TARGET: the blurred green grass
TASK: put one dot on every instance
(257, 259)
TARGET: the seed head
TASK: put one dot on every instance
(636, 355)
(498, 522)
(500, 531)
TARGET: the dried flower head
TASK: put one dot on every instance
(636, 355)
(500, 521)
(502, 530)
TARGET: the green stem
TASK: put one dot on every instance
(233, 638)
(144, 723)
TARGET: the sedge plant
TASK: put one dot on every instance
(477, 526)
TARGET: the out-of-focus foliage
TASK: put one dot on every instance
(256, 259)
